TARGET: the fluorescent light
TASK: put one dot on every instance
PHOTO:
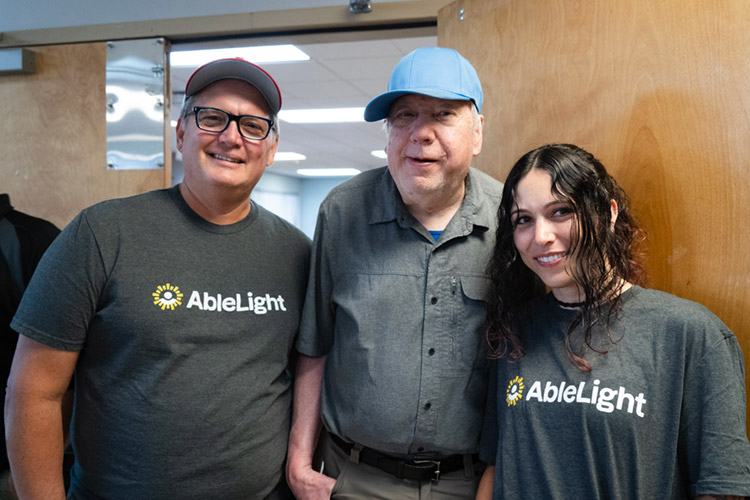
(327, 172)
(263, 54)
(379, 154)
(289, 157)
(323, 115)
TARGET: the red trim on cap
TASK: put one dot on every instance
(239, 59)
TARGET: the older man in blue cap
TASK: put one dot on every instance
(393, 320)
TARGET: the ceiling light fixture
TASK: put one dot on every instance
(379, 153)
(266, 54)
(328, 172)
(324, 115)
(281, 156)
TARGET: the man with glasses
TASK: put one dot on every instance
(393, 322)
(176, 309)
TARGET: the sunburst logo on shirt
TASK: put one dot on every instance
(167, 297)
(514, 393)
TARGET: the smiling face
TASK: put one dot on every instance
(431, 143)
(225, 161)
(543, 229)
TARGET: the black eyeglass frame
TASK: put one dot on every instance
(232, 118)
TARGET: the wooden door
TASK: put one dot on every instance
(660, 92)
(53, 136)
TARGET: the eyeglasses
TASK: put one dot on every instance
(215, 120)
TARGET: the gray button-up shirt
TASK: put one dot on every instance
(401, 317)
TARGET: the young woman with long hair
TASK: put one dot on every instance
(602, 388)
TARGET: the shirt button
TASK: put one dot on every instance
(433, 300)
(431, 352)
(428, 406)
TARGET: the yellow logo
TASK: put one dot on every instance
(167, 297)
(514, 393)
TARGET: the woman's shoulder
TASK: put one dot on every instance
(665, 303)
(655, 307)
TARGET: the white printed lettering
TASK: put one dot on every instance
(240, 307)
(550, 393)
(570, 394)
(623, 396)
(594, 391)
(535, 392)
(258, 304)
(579, 396)
(228, 304)
(606, 395)
(209, 302)
(641, 401)
(195, 300)
(602, 398)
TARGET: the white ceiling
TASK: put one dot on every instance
(338, 74)
(43, 14)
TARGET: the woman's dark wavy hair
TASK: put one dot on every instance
(605, 258)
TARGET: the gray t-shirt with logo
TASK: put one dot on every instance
(661, 414)
(184, 330)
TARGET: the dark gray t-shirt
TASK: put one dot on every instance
(184, 330)
(401, 317)
(661, 415)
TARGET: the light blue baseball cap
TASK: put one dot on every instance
(431, 71)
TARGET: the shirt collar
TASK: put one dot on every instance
(387, 202)
(475, 210)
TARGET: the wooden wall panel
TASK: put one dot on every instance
(53, 136)
(660, 92)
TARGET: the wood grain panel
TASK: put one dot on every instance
(659, 92)
(53, 136)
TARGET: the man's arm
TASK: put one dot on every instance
(484, 492)
(306, 483)
(34, 418)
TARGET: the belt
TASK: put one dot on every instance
(417, 470)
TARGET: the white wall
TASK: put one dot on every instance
(312, 194)
(276, 192)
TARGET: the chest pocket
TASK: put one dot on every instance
(469, 317)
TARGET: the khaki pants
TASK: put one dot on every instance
(358, 481)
